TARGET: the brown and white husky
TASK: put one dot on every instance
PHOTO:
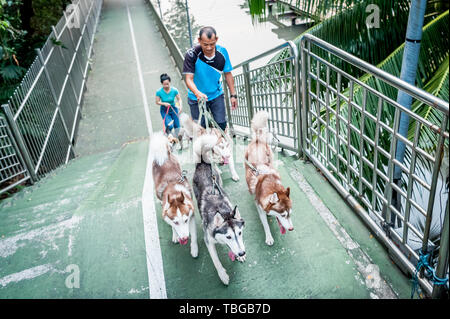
(264, 181)
(174, 191)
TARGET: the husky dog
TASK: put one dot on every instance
(263, 180)
(174, 192)
(222, 223)
(222, 151)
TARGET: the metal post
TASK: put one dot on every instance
(160, 12)
(431, 198)
(17, 136)
(189, 24)
(298, 102)
(248, 95)
(227, 104)
(441, 269)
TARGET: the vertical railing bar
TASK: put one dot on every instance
(375, 156)
(20, 143)
(349, 132)
(361, 141)
(436, 170)
(412, 168)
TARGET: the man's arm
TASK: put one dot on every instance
(189, 79)
(230, 82)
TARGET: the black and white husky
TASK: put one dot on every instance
(222, 222)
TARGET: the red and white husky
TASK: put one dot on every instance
(173, 190)
(264, 181)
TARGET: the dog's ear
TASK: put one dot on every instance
(166, 206)
(273, 198)
(288, 191)
(218, 219)
(236, 213)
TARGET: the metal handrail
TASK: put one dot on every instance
(331, 171)
(289, 44)
(247, 85)
(417, 93)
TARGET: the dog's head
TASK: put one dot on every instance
(280, 206)
(221, 151)
(177, 212)
(228, 231)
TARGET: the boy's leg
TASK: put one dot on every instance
(176, 121)
(169, 123)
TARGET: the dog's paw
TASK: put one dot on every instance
(235, 177)
(224, 277)
(269, 241)
(174, 239)
(194, 251)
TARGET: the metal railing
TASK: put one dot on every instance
(348, 128)
(44, 111)
(273, 87)
(12, 169)
(350, 132)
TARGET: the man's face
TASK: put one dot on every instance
(208, 45)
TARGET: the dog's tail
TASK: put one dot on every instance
(260, 126)
(191, 127)
(159, 148)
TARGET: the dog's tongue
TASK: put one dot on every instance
(282, 229)
(231, 255)
(183, 242)
(225, 160)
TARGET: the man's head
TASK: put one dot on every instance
(207, 38)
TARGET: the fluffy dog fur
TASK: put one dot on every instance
(271, 197)
(174, 192)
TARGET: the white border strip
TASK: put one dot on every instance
(156, 281)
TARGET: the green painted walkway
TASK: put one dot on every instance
(86, 218)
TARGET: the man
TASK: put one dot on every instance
(203, 67)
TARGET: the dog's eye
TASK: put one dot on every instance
(240, 233)
(229, 237)
(176, 223)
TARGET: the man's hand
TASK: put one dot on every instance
(200, 96)
(234, 103)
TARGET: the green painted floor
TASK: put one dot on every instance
(88, 214)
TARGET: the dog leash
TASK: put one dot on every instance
(209, 118)
(213, 177)
(164, 119)
(255, 171)
(182, 176)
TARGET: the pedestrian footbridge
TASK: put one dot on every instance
(88, 224)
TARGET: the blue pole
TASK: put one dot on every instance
(409, 70)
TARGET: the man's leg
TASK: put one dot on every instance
(195, 113)
(217, 107)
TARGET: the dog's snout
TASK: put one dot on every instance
(291, 229)
(242, 253)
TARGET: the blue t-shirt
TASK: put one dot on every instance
(207, 72)
(168, 97)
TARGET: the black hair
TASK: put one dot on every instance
(209, 32)
(164, 77)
